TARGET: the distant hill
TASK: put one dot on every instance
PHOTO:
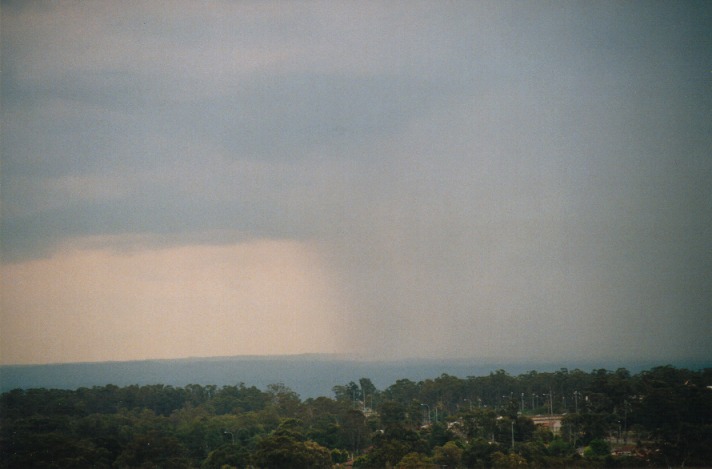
(309, 375)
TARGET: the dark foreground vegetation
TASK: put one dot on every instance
(660, 417)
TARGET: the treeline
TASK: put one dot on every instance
(662, 416)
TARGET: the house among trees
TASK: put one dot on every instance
(550, 422)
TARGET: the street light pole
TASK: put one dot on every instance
(512, 433)
(625, 422)
(576, 395)
(426, 405)
(550, 396)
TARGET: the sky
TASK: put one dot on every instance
(491, 180)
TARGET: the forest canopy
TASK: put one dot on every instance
(662, 416)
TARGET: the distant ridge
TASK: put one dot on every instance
(310, 375)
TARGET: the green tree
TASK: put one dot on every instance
(152, 449)
(403, 391)
(354, 431)
(285, 401)
(416, 461)
(286, 447)
(349, 393)
(534, 452)
(449, 455)
(230, 455)
(586, 426)
(479, 453)
(560, 448)
(392, 414)
(480, 423)
(510, 460)
(369, 393)
(676, 407)
(597, 449)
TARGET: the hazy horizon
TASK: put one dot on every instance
(497, 180)
(608, 363)
(310, 375)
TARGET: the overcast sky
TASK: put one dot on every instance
(495, 180)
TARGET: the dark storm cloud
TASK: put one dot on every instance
(490, 179)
